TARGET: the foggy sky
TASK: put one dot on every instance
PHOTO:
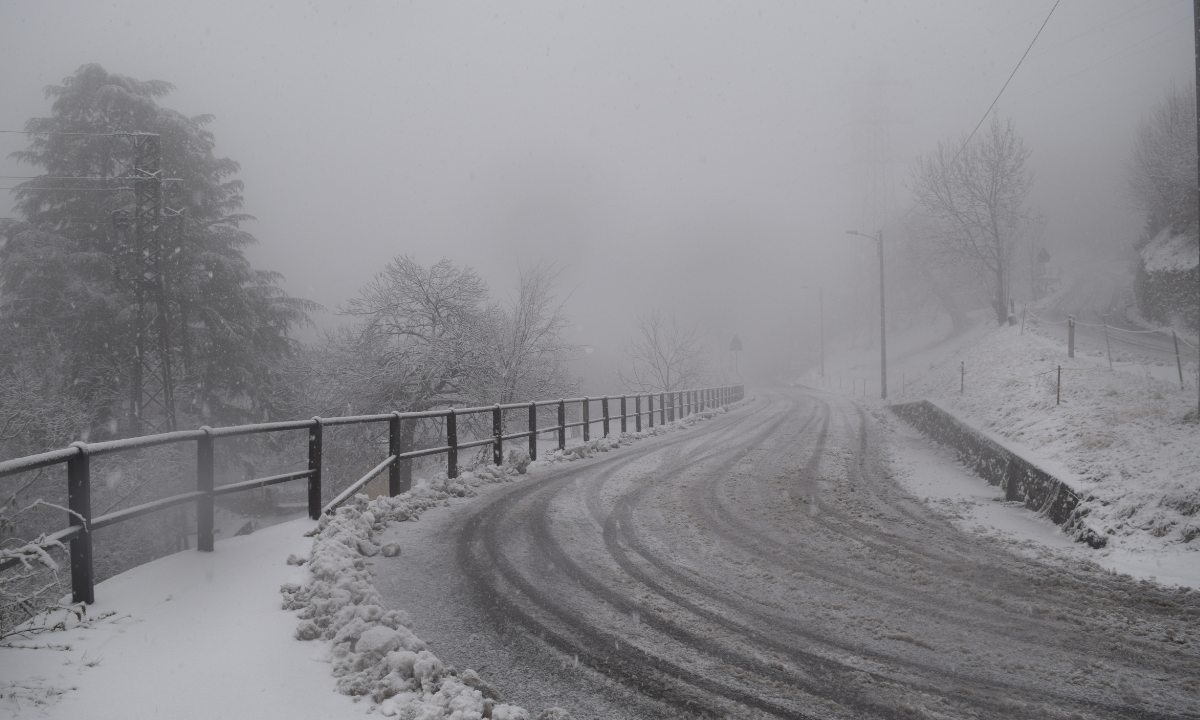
(705, 158)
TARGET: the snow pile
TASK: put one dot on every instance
(1117, 438)
(374, 652)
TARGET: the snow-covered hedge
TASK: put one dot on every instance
(1165, 285)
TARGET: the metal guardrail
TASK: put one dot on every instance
(78, 457)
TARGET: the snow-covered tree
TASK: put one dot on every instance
(1162, 169)
(65, 273)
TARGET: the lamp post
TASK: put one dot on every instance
(878, 238)
(821, 317)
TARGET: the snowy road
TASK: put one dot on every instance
(764, 564)
(1097, 298)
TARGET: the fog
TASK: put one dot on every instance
(701, 158)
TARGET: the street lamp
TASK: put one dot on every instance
(882, 326)
(820, 320)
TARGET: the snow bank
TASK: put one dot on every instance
(1117, 437)
(1170, 253)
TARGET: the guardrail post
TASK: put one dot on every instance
(497, 432)
(314, 466)
(671, 407)
(637, 413)
(79, 500)
(662, 409)
(204, 483)
(587, 420)
(400, 473)
(624, 426)
(533, 431)
(562, 424)
(604, 410)
(452, 442)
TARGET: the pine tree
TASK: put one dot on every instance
(67, 273)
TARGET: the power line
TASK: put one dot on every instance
(997, 98)
(88, 134)
(1006, 82)
(55, 217)
(63, 177)
(72, 189)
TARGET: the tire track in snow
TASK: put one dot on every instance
(526, 561)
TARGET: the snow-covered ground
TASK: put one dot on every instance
(190, 635)
(206, 635)
(1118, 437)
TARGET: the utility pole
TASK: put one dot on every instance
(1196, 27)
(878, 238)
(820, 320)
(151, 387)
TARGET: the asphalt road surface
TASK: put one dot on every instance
(765, 564)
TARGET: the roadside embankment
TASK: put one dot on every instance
(1020, 479)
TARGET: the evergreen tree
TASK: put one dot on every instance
(66, 272)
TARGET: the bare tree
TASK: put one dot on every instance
(974, 194)
(527, 344)
(664, 356)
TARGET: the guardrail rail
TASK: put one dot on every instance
(397, 464)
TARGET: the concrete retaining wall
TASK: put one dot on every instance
(1021, 479)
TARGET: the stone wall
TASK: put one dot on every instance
(1021, 479)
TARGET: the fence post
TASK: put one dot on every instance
(650, 410)
(1107, 347)
(452, 444)
(604, 410)
(497, 433)
(533, 431)
(204, 483)
(662, 408)
(587, 420)
(394, 449)
(1070, 336)
(562, 424)
(314, 466)
(624, 427)
(637, 413)
(79, 500)
(1178, 364)
(1058, 388)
